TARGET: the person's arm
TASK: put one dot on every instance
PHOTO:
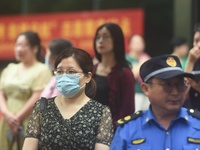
(30, 144)
(12, 121)
(28, 107)
(193, 56)
(105, 131)
(33, 129)
(3, 104)
(40, 81)
(127, 91)
(3, 101)
(99, 146)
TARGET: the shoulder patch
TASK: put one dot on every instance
(128, 118)
(194, 113)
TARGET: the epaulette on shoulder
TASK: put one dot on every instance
(194, 113)
(128, 118)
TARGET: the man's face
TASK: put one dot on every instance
(166, 96)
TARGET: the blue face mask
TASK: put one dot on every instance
(68, 85)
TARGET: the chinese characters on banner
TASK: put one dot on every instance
(79, 27)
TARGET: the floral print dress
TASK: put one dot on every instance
(91, 124)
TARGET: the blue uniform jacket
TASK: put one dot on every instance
(145, 133)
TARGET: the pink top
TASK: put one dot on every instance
(50, 90)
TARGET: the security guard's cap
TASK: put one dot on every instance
(163, 67)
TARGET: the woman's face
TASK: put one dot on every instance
(23, 50)
(182, 50)
(196, 39)
(137, 45)
(70, 66)
(104, 41)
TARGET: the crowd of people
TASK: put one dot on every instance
(116, 100)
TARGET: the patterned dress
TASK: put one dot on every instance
(91, 124)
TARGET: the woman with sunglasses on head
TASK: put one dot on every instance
(20, 87)
(73, 120)
(112, 73)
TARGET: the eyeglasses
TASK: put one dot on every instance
(21, 44)
(59, 72)
(103, 37)
(168, 86)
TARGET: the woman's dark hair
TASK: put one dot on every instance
(58, 45)
(34, 40)
(84, 60)
(175, 42)
(197, 27)
(118, 43)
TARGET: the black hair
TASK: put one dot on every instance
(118, 43)
(56, 46)
(175, 42)
(84, 60)
(34, 40)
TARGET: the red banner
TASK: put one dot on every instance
(78, 27)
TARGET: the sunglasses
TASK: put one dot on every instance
(168, 86)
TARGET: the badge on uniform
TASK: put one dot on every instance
(171, 61)
(193, 140)
(138, 141)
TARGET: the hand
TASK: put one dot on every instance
(195, 85)
(14, 129)
(13, 122)
(194, 54)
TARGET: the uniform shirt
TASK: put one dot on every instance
(145, 133)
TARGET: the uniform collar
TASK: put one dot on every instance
(148, 116)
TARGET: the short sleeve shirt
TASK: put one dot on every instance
(18, 88)
(145, 133)
(91, 124)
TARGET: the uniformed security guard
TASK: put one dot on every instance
(166, 125)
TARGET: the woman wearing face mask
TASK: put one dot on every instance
(55, 47)
(73, 120)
